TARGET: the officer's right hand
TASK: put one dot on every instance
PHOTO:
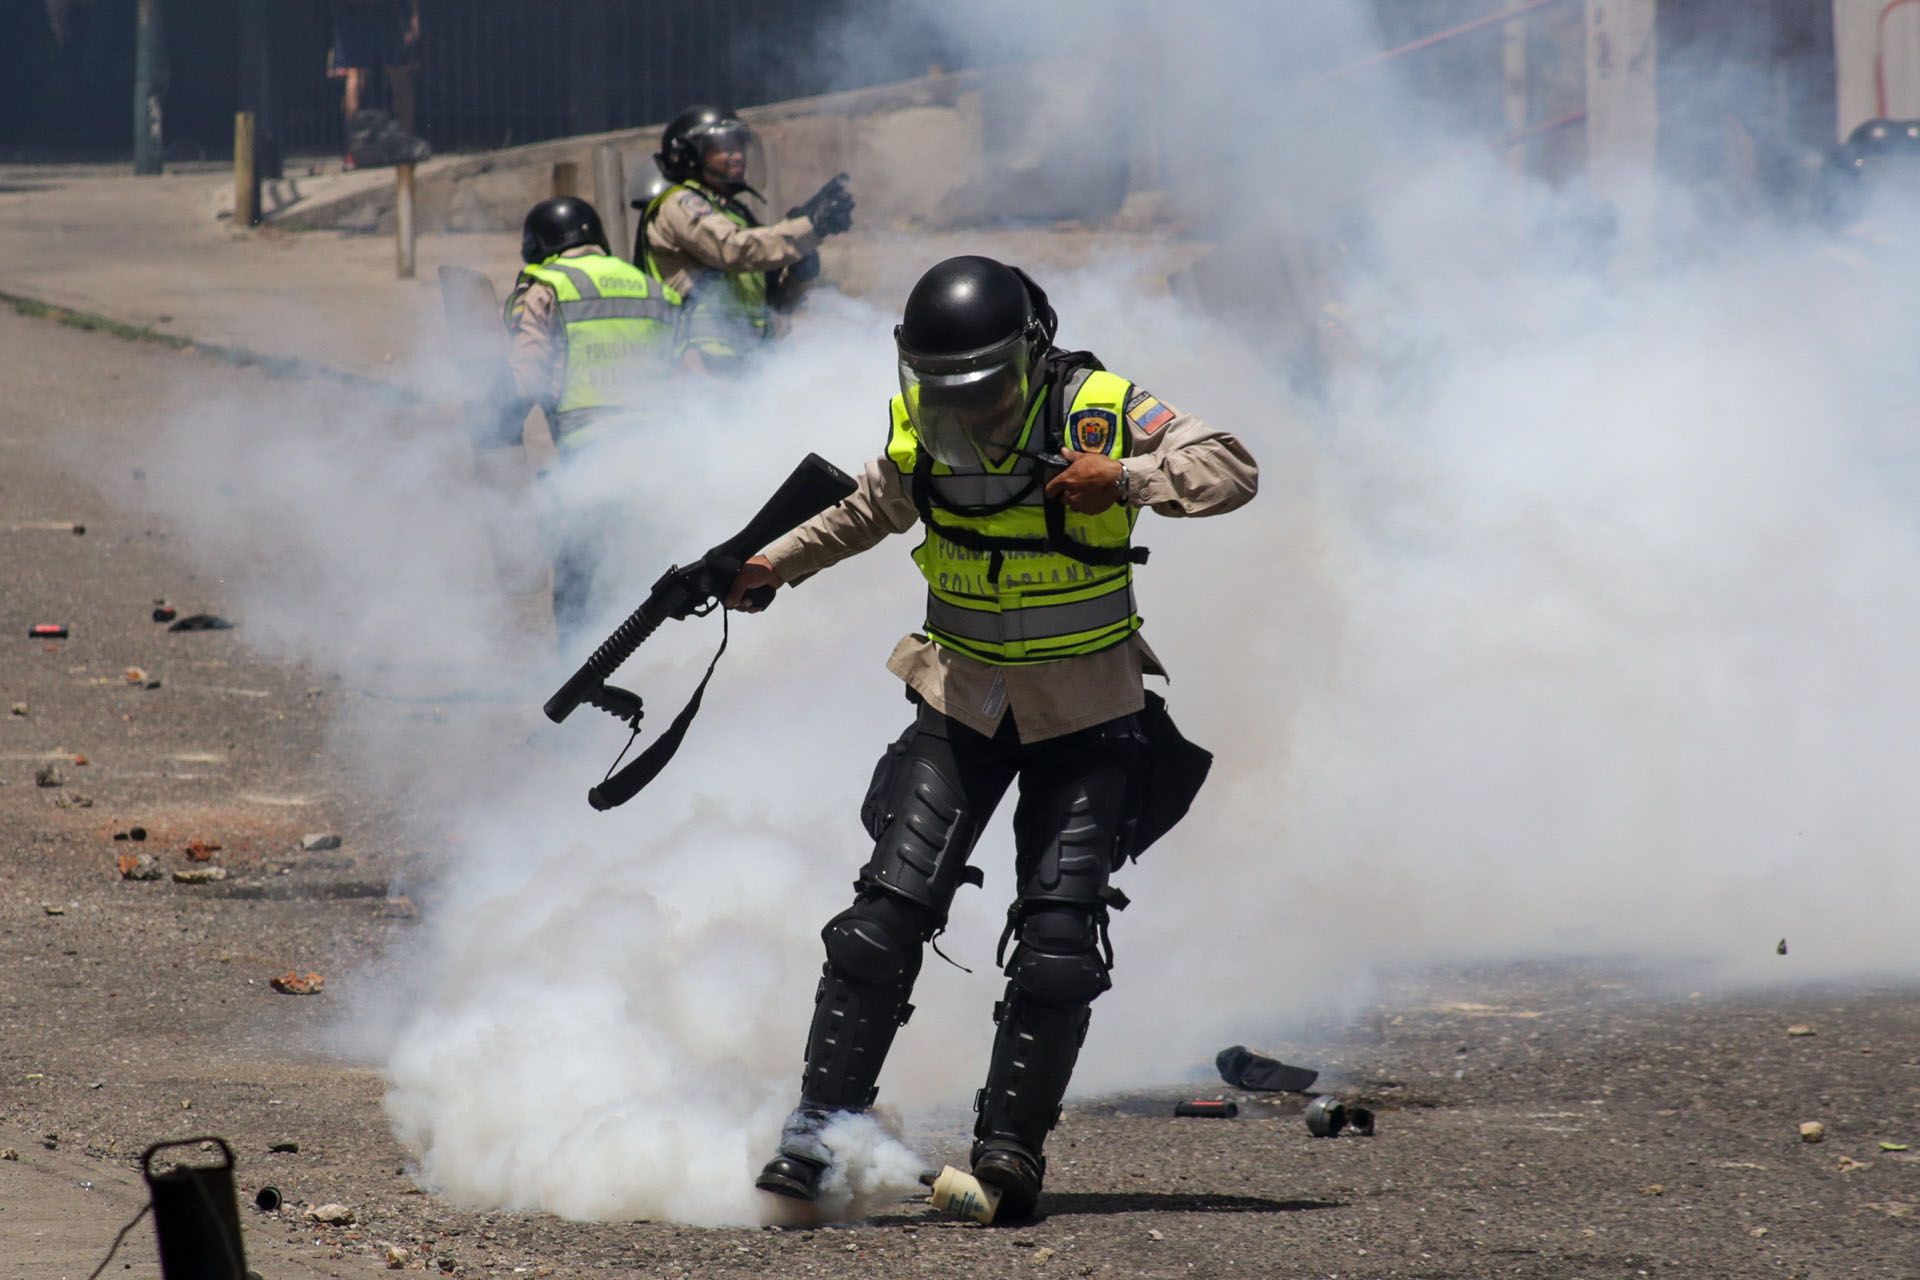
(756, 574)
(830, 209)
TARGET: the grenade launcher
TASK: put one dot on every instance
(682, 592)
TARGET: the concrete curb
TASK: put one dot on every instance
(286, 368)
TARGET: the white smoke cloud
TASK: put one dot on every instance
(1572, 619)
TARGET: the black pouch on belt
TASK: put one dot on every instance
(1172, 775)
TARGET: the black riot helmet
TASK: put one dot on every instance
(970, 340)
(557, 224)
(688, 138)
(1875, 145)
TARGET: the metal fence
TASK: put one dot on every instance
(499, 72)
(492, 72)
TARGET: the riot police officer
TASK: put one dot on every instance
(592, 340)
(1026, 467)
(698, 237)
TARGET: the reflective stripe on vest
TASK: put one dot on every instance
(1019, 606)
(619, 337)
(718, 322)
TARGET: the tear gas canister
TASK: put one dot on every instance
(963, 1195)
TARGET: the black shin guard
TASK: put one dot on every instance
(873, 957)
(1034, 1051)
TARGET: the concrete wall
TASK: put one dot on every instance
(916, 153)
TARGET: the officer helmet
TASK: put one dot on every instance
(647, 183)
(1878, 144)
(558, 224)
(694, 133)
(972, 335)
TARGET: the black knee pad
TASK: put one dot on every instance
(924, 832)
(877, 940)
(1058, 960)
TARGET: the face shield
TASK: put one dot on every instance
(968, 409)
(727, 151)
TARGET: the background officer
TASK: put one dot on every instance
(1028, 466)
(698, 237)
(592, 339)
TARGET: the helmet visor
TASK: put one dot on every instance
(726, 151)
(968, 410)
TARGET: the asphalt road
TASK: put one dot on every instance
(1553, 1120)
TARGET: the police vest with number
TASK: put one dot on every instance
(1012, 576)
(619, 335)
(719, 321)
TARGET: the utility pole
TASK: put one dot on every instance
(1623, 117)
(148, 143)
(256, 88)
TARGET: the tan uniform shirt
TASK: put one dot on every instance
(1176, 464)
(689, 234)
(537, 347)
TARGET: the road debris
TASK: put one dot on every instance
(8, 1153)
(396, 908)
(164, 612)
(54, 909)
(1653, 1189)
(1848, 1164)
(49, 775)
(1327, 1116)
(199, 875)
(72, 800)
(398, 1257)
(1812, 1131)
(201, 622)
(1893, 1146)
(1780, 948)
(284, 1149)
(319, 840)
(135, 834)
(18, 708)
(1242, 1068)
(200, 850)
(48, 631)
(298, 984)
(139, 866)
(267, 1199)
(337, 1215)
(1205, 1107)
(1800, 1030)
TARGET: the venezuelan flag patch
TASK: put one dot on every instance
(1147, 414)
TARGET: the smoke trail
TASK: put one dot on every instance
(1571, 620)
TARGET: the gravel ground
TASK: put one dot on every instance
(1558, 1120)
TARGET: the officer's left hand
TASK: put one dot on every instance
(1090, 484)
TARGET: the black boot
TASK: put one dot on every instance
(795, 1177)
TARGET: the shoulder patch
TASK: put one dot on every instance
(1092, 430)
(693, 203)
(1146, 414)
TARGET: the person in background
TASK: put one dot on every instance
(592, 341)
(369, 34)
(699, 238)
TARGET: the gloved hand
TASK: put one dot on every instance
(830, 209)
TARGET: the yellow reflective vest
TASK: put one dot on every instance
(1012, 577)
(722, 325)
(619, 328)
